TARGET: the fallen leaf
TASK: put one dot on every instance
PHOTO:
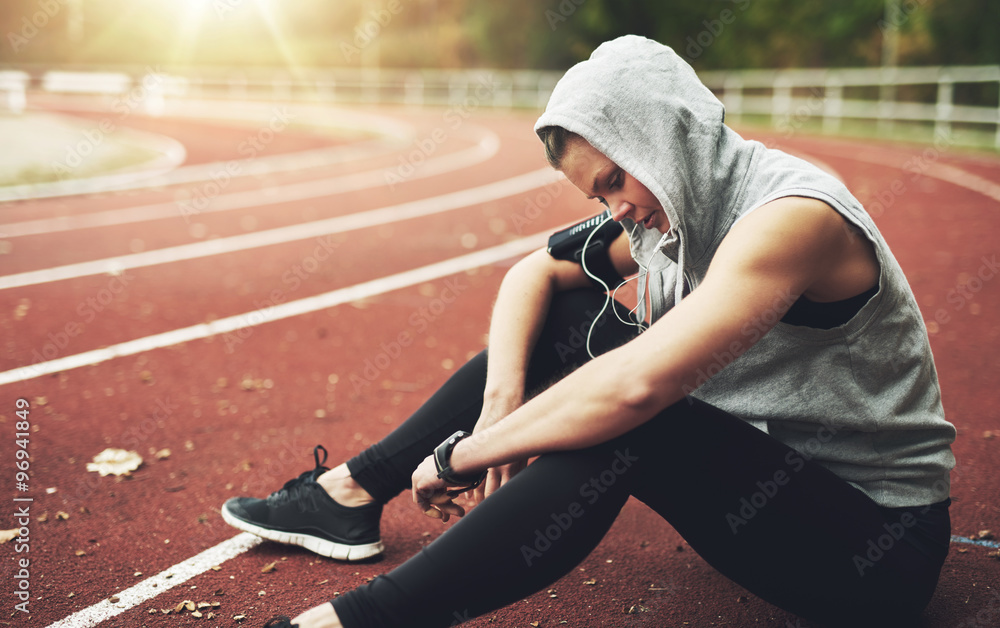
(6, 535)
(115, 462)
(985, 535)
(216, 568)
(163, 454)
(114, 600)
(81, 553)
(42, 518)
(196, 614)
(591, 581)
(62, 515)
(268, 568)
(51, 490)
(988, 434)
(239, 617)
(152, 611)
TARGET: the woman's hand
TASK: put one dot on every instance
(496, 476)
(429, 492)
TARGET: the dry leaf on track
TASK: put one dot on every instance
(115, 462)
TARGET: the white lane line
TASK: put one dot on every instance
(160, 583)
(965, 179)
(934, 169)
(487, 146)
(248, 112)
(285, 310)
(218, 246)
(170, 154)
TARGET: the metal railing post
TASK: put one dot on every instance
(413, 90)
(781, 99)
(732, 94)
(945, 104)
(326, 89)
(886, 100)
(996, 141)
(15, 84)
(833, 104)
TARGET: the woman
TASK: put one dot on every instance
(781, 410)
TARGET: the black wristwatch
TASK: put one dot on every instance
(442, 461)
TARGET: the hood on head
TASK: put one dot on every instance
(642, 106)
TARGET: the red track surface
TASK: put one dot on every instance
(227, 441)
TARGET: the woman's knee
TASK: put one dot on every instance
(575, 317)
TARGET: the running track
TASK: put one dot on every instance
(272, 324)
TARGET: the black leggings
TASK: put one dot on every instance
(764, 515)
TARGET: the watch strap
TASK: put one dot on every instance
(442, 462)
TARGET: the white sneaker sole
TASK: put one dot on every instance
(311, 543)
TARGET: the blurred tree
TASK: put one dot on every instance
(964, 32)
(709, 34)
(551, 34)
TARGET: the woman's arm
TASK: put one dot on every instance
(518, 316)
(766, 261)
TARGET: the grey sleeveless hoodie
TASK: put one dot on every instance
(861, 399)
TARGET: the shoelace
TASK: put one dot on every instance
(293, 489)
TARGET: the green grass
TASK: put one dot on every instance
(976, 138)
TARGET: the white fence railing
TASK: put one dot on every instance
(829, 95)
(800, 94)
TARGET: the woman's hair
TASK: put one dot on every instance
(555, 139)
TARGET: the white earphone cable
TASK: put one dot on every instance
(607, 289)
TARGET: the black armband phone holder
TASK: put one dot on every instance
(568, 245)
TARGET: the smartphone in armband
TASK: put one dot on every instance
(568, 245)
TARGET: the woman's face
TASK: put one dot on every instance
(598, 177)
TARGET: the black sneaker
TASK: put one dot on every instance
(281, 621)
(302, 513)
